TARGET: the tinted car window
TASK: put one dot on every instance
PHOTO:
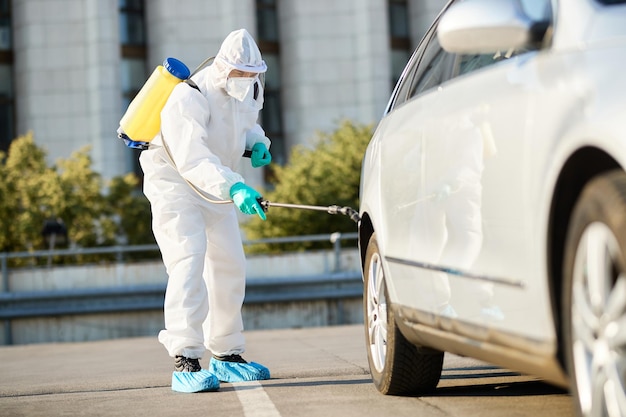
(404, 83)
(472, 62)
(434, 68)
(469, 63)
(429, 66)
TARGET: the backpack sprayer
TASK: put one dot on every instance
(142, 120)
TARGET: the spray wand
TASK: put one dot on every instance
(334, 209)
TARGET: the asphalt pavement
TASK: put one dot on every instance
(319, 371)
(127, 377)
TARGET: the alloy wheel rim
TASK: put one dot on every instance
(377, 313)
(599, 323)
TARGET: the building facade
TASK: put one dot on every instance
(69, 68)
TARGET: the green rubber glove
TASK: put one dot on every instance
(247, 199)
(260, 155)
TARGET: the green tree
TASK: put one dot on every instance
(32, 193)
(80, 202)
(327, 174)
(131, 209)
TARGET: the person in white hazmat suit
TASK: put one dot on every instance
(204, 133)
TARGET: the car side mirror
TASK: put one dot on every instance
(488, 26)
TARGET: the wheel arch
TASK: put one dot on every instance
(366, 230)
(580, 168)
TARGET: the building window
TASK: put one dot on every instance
(268, 41)
(399, 36)
(132, 23)
(133, 64)
(7, 103)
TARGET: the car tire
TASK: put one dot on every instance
(594, 298)
(397, 366)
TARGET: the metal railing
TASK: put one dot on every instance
(31, 304)
(119, 251)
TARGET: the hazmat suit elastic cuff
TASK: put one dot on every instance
(253, 137)
(229, 181)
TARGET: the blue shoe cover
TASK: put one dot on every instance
(238, 372)
(194, 381)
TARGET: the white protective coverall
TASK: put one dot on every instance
(206, 132)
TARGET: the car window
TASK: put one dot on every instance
(406, 79)
(469, 63)
(428, 67)
(433, 71)
(414, 78)
(434, 68)
(401, 89)
(465, 63)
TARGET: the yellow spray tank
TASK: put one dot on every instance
(142, 120)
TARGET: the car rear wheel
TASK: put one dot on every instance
(594, 299)
(397, 366)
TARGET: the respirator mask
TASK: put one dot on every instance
(239, 87)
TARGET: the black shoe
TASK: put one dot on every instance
(183, 364)
(230, 358)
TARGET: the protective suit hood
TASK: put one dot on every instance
(238, 51)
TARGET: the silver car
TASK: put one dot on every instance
(493, 201)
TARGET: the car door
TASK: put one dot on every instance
(480, 145)
(409, 236)
(495, 278)
(458, 243)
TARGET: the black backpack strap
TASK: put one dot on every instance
(192, 84)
